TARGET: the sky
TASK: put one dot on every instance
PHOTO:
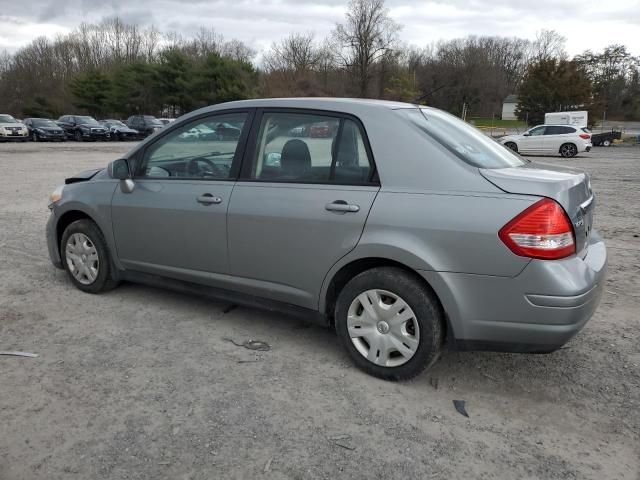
(586, 24)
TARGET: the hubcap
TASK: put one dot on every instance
(82, 258)
(383, 328)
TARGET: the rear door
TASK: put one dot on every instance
(534, 142)
(174, 221)
(300, 204)
(554, 137)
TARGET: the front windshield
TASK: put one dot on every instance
(462, 139)
(7, 119)
(44, 123)
(87, 121)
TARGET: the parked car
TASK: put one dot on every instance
(144, 124)
(319, 130)
(82, 127)
(44, 130)
(405, 229)
(167, 121)
(565, 140)
(226, 131)
(11, 129)
(119, 131)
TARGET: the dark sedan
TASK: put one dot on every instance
(44, 130)
(119, 131)
(82, 127)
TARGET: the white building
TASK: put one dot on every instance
(509, 108)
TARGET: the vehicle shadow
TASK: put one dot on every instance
(544, 377)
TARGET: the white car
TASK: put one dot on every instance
(565, 140)
(11, 129)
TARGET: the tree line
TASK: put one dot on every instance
(116, 69)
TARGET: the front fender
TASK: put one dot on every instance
(93, 199)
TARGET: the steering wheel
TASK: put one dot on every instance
(195, 169)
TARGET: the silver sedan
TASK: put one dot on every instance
(401, 226)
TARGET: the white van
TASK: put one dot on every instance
(577, 119)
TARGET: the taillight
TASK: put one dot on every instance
(585, 136)
(541, 231)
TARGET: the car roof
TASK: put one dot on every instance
(359, 107)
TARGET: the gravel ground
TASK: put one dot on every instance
(140, 383)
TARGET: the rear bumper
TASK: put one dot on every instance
(539, 310)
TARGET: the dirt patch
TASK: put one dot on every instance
(141, 383)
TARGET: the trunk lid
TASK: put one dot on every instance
(570, 187)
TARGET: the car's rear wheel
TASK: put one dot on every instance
(568, 150)
(390, 323)
(512, 146)
(606, 143)
(85, 256)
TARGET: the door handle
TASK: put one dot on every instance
(208, 199)
(342, 207)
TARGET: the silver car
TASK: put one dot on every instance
(401, 226)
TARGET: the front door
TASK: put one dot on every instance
(305, 191)
(174, 221)
(534, 142)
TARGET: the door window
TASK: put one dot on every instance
(195, 150)
(308, 148)
(537, 131)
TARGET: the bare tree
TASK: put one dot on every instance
(548, 44)
(365, 38)
(296, 53)
(237, 50)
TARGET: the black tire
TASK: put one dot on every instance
(511, 146)
(606, 143)
(104, 280)
(428, 315)
(34, 136)
(78, 136)
(568, 150)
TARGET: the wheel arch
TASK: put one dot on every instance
(67, 218)
(354, 267)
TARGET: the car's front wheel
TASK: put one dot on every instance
(511, 146)
(390, 323)
(85, 256)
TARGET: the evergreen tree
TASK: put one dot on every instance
(552, 85)
(91, 90)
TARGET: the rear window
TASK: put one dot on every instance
(463, 140)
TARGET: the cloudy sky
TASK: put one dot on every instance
(587, 24)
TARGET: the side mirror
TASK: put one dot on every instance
(119, 170)
(526, 134)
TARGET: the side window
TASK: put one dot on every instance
(195, 150)
(568, 130)
(537, 131)
(308, 148)
(553, 130)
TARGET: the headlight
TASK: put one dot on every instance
(56, 195)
